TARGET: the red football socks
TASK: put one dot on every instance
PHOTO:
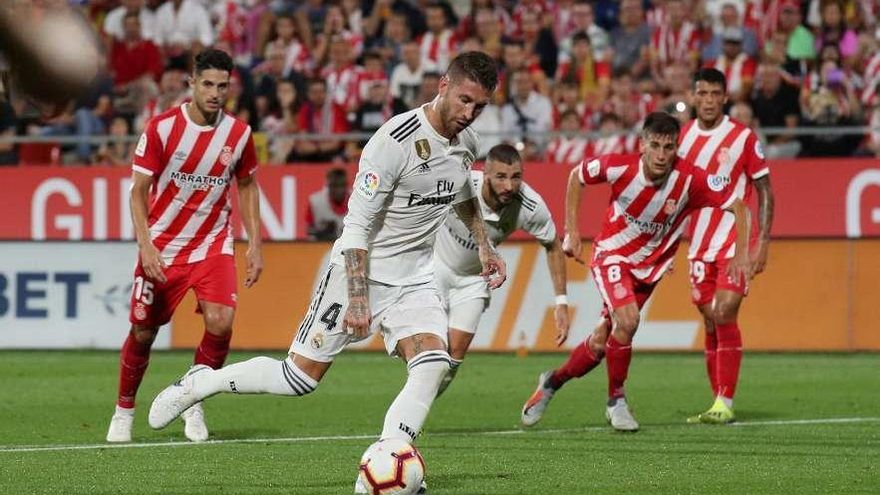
(213, 350)
(580, 362)
(711, 343)
(729, 358)
(617, 358)
(133, 361)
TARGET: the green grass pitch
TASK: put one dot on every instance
(809, 423)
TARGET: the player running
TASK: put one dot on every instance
(507, 204)
(652, 194)
(184, 166)
(380, 277)
(731, 151)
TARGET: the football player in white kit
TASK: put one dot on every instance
(507, 204)
(380, 277)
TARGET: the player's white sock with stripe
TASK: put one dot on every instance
(447, 380)
(407, 413)
(260, 375)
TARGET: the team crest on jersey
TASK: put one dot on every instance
(759, 149)
(140, 311)
(142, 145)
(619, 291)
(467, 161)
(717, 182)
(723, 156)
(226, 156)
(670, 206)
(423, 149)
(368, 185)
(318, 341)
(593, 168)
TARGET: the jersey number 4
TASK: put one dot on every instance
(331, 316)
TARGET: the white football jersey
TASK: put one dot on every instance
(408, 178)
(456, 247)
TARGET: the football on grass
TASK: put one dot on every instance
(392, 466)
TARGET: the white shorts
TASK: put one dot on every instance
(465, 297)
(398, 312)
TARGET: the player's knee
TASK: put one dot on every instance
(725, 312)
(144, 334)
(627, 325)
(219, 322)
(429, 368)
(709, 324)
(596, 343)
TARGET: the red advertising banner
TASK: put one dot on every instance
(814, 198)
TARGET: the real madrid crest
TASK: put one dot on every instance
(423, 149)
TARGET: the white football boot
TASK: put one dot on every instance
(194, 427)
(120, 425)
(176, 398)
(618, 414)
(533, 409)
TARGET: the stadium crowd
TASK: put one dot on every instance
(332, 67)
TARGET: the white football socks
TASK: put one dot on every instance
(260, 375)
(407, 413)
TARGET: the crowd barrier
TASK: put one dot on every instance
(815, 295)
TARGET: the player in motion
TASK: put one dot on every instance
(652, 194)
(507, 204)
(380, 277)
(730, 150)
(184, 167)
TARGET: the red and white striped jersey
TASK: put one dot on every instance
(871, 77)
(438, 50)
(732, 152)
(567, 151)
(675, 45)
(736, 71)
(342, 85)
(193, 168)
(645, 221)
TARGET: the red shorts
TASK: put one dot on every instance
(707, 277)
(619, 287)
(213, 280)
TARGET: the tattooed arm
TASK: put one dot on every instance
(494, 269)
(357, 317)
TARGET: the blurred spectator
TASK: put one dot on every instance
(336, 30)
(376, 109)
(674, 42)
(538, 44)
(312, 15)
(283, 121)
(328, 207)
(183, 27)
(372, 72)
(136, 65)
(489, 29)
(428, 90)
(439, 44)
(631, 40)
(269, 73)
(527, 112)
(627, 102)
(86, 117)
(245, 26)
(874, 133)
(172, 92)
(406, 78)
(568, 99)
(584, 20)
(593, 76)
(742, 112)
(730, 16)
(832, 103)
(395, 34)
(114, 22)
(8, 127)
(570, 148)
(285, 40)
(489, 126)
(612, 139)
(801, 43)
(738, 68)
(676, 91)
(354, 16)
(115, 153)
(318, 115)
(776, 105)
(834, 31)
(342, 76)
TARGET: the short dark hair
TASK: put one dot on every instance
(476, 66)
(336, 174)
(504, 153)
(661, 124)
(213, 58)
(711, 76)
(581, 36)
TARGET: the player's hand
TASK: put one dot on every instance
(254, 258)
(152, 263)
(759, 257)
(739, 269)
(357, 317)
(573, 247)
(563, 323)
(494, 268)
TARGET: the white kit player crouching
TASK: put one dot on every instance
(507, 204)
(380, 277)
